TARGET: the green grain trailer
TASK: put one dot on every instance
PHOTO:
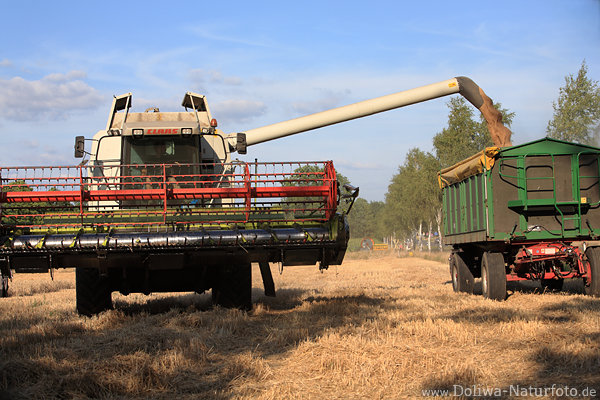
(513, 214)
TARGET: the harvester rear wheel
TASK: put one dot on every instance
(92, 292)
(232, 287)
(462, 278)
(493, 276)
(592, 285)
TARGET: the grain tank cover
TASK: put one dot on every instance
(195, 102)
(473, 165)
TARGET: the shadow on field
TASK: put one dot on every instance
(584, 365)
(583, 362)
(559, 313)
(571, 359)
(169, 347)
(189, 302)
(574, 353)
(486, 315)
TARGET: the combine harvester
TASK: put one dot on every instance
(160, 206)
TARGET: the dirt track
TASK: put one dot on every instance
(373, 328)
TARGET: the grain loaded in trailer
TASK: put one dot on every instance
(518, 213)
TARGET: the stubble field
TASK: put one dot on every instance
(376, 327)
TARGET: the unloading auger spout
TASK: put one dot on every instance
(463, 85)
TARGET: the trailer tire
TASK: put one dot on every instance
(462, 278)
(553, 285)
(593, 256)
(232, 287)
(92, 292)
(493, 276)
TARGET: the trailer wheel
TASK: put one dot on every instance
(232, 287)
(592, 287)
(462, 278)
(493, 276)
(92, 292)
(553, 285)
(4, 285)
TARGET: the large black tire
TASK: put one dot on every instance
(553, 285)
(92, 292)
(592, 286)
(493, 276)
(3, 285)
(462, 278)
(232, 286)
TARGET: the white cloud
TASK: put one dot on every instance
(359, 165)
(29, 143)
(6, 63)
(201, 76)
(206, 32)
(52, 97)
(328, 99)
(239, 110)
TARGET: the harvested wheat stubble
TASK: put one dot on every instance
(383, 327)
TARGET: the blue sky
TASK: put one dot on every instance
(265, 62)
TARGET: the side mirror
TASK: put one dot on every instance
(79, 146)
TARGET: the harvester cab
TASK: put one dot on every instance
(155, 137)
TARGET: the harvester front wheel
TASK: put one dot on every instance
(493, 276)
(92, 292)
(232, 287)
(462, 278)
(592, 284)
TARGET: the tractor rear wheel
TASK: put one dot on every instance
(493, 276)
(592, 284)
(462, 278)
(232, 287)
(92, 292)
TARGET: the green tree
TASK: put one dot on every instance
(311, 175)
(464, 135)
(31, 213)
(577, 112)
(364, 218)
(310, 172)
(413, 198)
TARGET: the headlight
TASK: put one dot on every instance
(138, 133)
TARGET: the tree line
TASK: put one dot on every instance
(413, 203)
